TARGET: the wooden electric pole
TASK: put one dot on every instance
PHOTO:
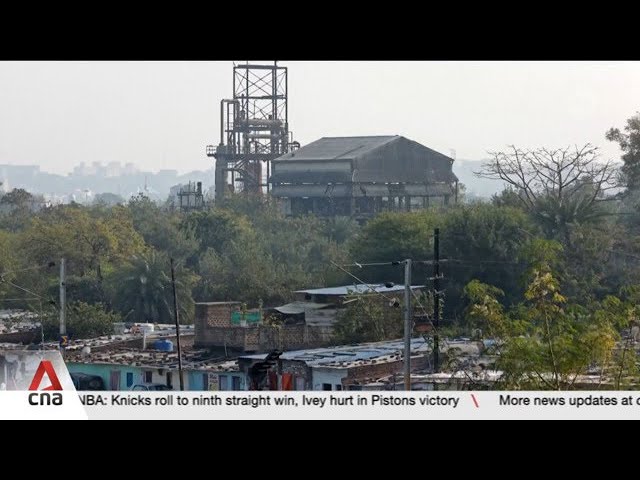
(177, 318)
(436, 299)
(63, 298)
(407, 325)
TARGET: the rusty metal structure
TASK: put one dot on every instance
(362, 176)
(254, 129)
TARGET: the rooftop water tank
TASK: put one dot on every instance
(164, 345)
(145, 327)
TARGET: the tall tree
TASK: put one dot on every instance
(143, 291)
(161, 228)
(545, 342)
(368, 318)
(89, 239)
(629, 141)
(83, 321)
(558, 187)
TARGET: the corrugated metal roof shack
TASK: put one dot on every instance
(361, 176)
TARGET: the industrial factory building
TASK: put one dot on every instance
(361, 176)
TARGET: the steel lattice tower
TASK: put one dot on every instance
(254, 129)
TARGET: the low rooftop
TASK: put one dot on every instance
(200, 360)
(359, 289)
(367, 353)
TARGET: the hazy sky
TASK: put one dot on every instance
(163, 114)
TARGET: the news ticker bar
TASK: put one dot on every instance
(359, 405)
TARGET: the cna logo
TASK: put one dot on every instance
(45, 367)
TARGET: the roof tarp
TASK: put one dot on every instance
(297, 308)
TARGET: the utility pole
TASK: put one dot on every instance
(175, 311)
(407, 325)
(436, 299)
(63, 298)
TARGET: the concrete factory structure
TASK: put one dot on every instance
(361, 176)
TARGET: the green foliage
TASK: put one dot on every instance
(488, 244)
(245, 249)
(108, 199)
(142, 290)
(17, 198)
(161, 229)
(546, 343)
(557, 216)
(508, 197)
(217, 229)
(83, 321)
(249, 251)
(368, 319)
(340, 229)
(395, 236)
(16, 208)
(9, 263)
(629, 142)
(87, 238)
(482, 241)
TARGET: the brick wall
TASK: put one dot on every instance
(217, 314)
(373, 371)
(263, 338)
(25, 337)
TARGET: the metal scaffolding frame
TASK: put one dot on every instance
(254, 129)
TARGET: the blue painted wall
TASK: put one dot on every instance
(104, 371)
(193, 379)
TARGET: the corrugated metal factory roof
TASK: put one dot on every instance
(339, 148)
(375, 159)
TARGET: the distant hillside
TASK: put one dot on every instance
(478, 187)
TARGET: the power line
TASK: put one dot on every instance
(363, 282)
(415, 296)
(39, 267)
(432, 262)
(26, 290)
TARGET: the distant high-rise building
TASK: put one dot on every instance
(113, 169)
(130, 169)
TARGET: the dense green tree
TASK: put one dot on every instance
(508, 197)
(249, 251)
(396, 236)
(477, 241)
(142, 290)
(18, 198)
(340, 229)
(547, 343)
(240, 274)
(9, 263)
(90, 239)
(16, 208)
(487, 243)
(108, 199)
(83, 321)
(559, 188)
(218, 228)
(629, 141)
(161, 228)
(367, 318)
